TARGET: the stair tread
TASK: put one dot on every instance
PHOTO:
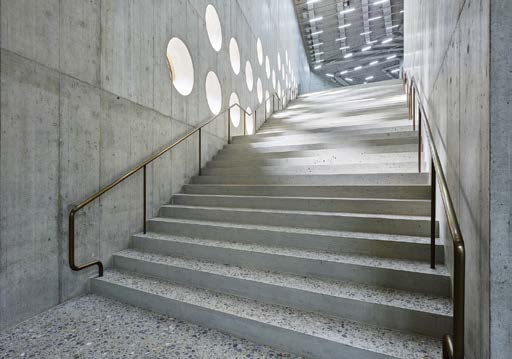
(342, 289)
(354, 334)
(313, 231)
(355, 259)
(301, 212)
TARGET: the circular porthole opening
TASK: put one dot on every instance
(213, 27)
(180, 66)
(234, 55)
(267, 66)
(274, 79)
(213, 93)
(249, 122)
(279, 61)
(249, 79)
(268, 100)
(259, 49)
(279, 89)
(235, 110)
(259, 89)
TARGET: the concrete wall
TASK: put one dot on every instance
(86, 95)
(447, 50)
(501, 180)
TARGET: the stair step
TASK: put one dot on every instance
(318, 169)
(323, 154)
(392, 273)
(352, 158)
(417, 192)
(320, 180)
(351, 205)
(329, 137)
(401, 310)
(345, 130)
(353, 222)
(380, 245)
(296, 331)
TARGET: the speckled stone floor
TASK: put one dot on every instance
(96, 327)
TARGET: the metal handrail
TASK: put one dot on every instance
(453, 347)
(143, 165)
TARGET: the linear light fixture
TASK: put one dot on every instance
(316, 19)
(395, 71)
(387, 41)
(341, 39)
(343, 72)
(347, 11)
(329, 75)
(345, 48)
(366, 33)
(366, 48)
(380, 2)
(369, 78)
(318, 44)
(392, 27)
(317, 32)
(357, 68)
(374, 18)
(317, 67)
(344, 26)
(348, 79)
(373, 63)
(349, 55)
(391, 57)
(312, 1)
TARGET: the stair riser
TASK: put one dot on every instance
(280, 147)
(413, 208)
(412, 227)
(258, 332)
(419, 282)
(399, 179)
(353, 158)
(339, 132)
(406, 167)
(394, 192)
(228, 155)
(378, 314)
(331, 244)
(336, 137)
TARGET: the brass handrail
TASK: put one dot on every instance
(78, 207)
(453, 347)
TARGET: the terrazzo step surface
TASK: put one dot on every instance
(320, 180)
(309, 334)
(352, 205)
(354, 222)
(402, 310)
(420, 192)
(381, 245)
(386, 272)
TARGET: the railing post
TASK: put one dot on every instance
(458, 298)
(273, 103)
(414, 109)
(229, 126)
(255, 117)
(419, 142)
(144, 208)
(433, 216)
(245, 123)
(200, 152)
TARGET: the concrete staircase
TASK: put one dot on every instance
(311, 236)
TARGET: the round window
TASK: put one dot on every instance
(235, 110)
(259, 89)
(213, 27)
(249, 122)
(248, 75)
(213, 93)
(267, 66)
(180, 66)
(259, 49)
(234, 55)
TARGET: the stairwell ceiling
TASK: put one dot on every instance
(351, 42)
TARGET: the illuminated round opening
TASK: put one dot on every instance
(267, 66)
(279, 61)
(235, 110)
(180, 66)
(259, 89)
(286, 56)
(249, 124)
(267, 105)
(273, 79)
(279, 89)
(259, 49)
(234, 55)
(248, 75)
(213, 93)
(213, 27)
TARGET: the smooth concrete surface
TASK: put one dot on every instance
(86, 95)
(501, 180)
(447, 50)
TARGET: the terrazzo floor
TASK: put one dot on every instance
(95, 327)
